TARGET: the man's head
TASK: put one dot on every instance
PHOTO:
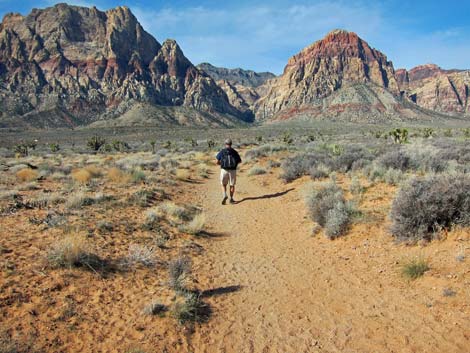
(228, 142)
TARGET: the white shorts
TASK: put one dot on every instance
(228, 175)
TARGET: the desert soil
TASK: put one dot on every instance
(281, 289)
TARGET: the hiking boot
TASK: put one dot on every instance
(232, 201)
(224, 200)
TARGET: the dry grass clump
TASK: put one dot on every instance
(191, 309)
(203, 170)
(173, 213)
(140, 255)
(154, 308)
(82, 176)
(179, 271)
(414, 269)
(27, 174)
(8, 194)
(256, 171)
(78, 200)
(118, 176)
(195, 226)
(47, 199)
(73, 251)
(182, 174)
(94, 170)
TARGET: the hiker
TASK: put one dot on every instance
(228, 159)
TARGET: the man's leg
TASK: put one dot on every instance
(224, 182)
(233, 179)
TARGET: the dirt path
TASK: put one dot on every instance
(282, 290)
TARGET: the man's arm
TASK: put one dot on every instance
(239, 159)
(218, 157)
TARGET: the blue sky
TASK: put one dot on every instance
(262, 35)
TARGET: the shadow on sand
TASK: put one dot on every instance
(219, 291)
(268, 196)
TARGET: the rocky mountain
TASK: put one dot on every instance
(431, 87)
(78, 65)
(241, 86)
(360, 77)
(247, 78)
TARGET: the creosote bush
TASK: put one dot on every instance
(424, 206)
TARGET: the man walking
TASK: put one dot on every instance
(228, 159)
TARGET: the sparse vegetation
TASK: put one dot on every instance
(425, 206)
(415, 268)
(73, 251)
(256, 171)
(195, 226)
(328, 207)
(191, 309)
(178, 271)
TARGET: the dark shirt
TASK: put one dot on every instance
(233, 152)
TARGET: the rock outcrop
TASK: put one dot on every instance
(247, 78)
(338, 61)
(431, 87)
(81, 65)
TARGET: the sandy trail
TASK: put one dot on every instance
(299, 293)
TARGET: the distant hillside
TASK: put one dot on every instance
(238, 76)
(431, 87)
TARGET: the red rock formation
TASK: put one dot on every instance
(339, 60)
(431, 87)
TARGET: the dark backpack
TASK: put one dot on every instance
(228, 160)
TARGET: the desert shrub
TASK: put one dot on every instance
(414, 269)
(27, 174)
(393, 176)
(300, 165)
(82, 176)
(319, 171)
(104, 227)
(170, 163)
(173, 213)
(138, 176)
(346, 159)
(118, 176)
(195, 226)
(396, 160)
(152, 220)
(154, 308)
(8, 194)
(140, 255)
(399, 136)
(78, 200)
(95, 142)
(256, 171)
(327, 207)
(355, 187)
(143, 198)
(424, 206)
(182, 174)
(374, 172)
(94, 170)
(273, 164)
(203, 170)
(178, 272)
(191, 309)
(47, 199)
(73, 251)
(134, 162)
